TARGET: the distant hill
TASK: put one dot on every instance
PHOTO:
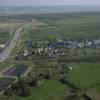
(46, 9)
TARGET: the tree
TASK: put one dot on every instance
(23, 88)
(46, 74)
(74, 95)
(32, 81)
(63, 80)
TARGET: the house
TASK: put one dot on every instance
(2, 46)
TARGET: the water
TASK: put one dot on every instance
(16, 70)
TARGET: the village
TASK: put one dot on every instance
(58, 47)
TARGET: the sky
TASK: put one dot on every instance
(47, 2)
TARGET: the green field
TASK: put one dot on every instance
(80, 27)
(47, 91)
(7, 28)
(84, 74)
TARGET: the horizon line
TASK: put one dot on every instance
(44, 5)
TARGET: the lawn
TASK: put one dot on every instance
(84, 75)
(46, 91)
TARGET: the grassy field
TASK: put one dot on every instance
(7, 28)
(84, 74)
(49, 91)
(89, 19)
(82, 26)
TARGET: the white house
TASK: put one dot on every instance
(2, 46)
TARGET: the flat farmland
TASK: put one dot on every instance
(74, 27)
(84, 75)
(85, 19)
(7, 29)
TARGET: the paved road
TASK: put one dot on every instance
(4, 54)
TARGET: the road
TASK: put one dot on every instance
(4, 54)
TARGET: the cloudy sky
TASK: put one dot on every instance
(48, 2)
